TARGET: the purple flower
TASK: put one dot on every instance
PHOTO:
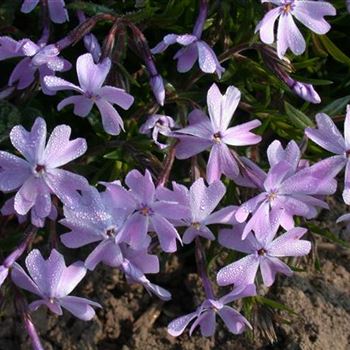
(90, 41)
(91, 77)
(201, 202)
(53, 282)
(9, 209)
(264, 252)
(99, 218)
(309, 13)
(194, 48)
(214, 133)
(348, 5)
(205, 315)
(161, 124)
(303, 90)
(16, 253)
(57, 10)
(328, 136)
(135, 273)
(95, 219)
(39, 57)
(10, 48)
(295, 191)
(147, 213)
(37, 176)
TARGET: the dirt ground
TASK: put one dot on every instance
(131, 319)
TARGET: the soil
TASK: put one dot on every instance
(132, 319)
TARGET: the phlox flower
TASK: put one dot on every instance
(57, 10)
(38, 176)
(215, 134)
(289, 185)
(91, 76)
(201, 201)
(146, 212)
(205, 315)
(194, 48)
(264, 251)
(53, 281)
(329, 137)
(309, 12)
(39, 57)
(158, 124)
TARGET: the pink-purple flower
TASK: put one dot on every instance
(263, 250)
(194, 48)
(291, 186)
(158, 124)
(53, 281)
(57, 10)
(40, 58)
(329, 137)
(308, 12)
(215, 134)
(91, 77)
(38, 176)
(201, 200)
(205, 315)
(146, 212)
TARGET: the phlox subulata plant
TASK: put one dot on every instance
(92, 167)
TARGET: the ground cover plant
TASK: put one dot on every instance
(134, 133)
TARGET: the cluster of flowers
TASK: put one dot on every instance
(125, 222)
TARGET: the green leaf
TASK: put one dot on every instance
(334, 51)
(9, 117)
(337, 106)
(327, 234)
(296, 117)
(274, 304)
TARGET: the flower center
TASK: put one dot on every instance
(261, 252)
(196, 225)
(110, 232)
(145, 211)
(217, 137)
(288, 6)
(272, 196)
(39, 169)
(347, 153)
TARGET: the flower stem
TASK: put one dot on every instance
(202, 270)
(22, 308)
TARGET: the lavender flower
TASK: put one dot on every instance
(135, 274)
(99, 217)
(146, 212)
(95, 219)
(194, 49)
(214, 133)
(205, 315)
(290, 187)
(201, 202)
(264, 252)
(161, 124)
(309, 13)
(91, 77)
(53, 282)
(9, 209)
(328, 136)
(303, 90)
(10, 48)
(57, 11)
(37, 176)
(39, 57)
(90, 41)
